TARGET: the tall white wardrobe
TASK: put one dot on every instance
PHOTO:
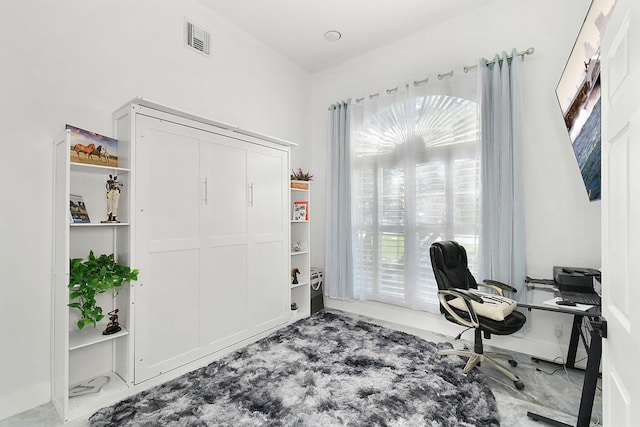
(211, 235)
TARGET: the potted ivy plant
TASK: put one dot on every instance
(94, 276)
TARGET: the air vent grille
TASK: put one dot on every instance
(197, 38)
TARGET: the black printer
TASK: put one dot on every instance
(575, 279)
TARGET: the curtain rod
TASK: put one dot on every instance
(466, 69)
(529, 51)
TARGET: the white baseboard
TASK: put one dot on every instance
(24, 399)
(523, 341)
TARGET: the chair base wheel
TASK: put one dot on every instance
(513, 363)
(519, 385)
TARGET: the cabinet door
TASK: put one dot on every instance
(211, 243)
(268, 225)
(223, 288)
(168, 246)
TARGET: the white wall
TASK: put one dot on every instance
(562, 226)
(75, 62)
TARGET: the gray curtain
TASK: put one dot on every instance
(338, 275)
(502, 241)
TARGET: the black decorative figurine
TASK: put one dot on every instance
(294, 275)
(113, 326)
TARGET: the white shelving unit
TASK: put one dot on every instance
(300, 251)
(81, 355)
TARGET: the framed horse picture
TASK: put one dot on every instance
(92, 148)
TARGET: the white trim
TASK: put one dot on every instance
(437, 324)
(24, 399)
(229, 127)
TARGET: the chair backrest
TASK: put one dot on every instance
(449, 263)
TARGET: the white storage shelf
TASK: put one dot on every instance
(115, 389)
(300, 233)
(99, 224)
(80, 355)
(82, 167)
(90, 335)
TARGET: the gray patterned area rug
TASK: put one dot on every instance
(326, 370)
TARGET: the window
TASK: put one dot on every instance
(415, 180)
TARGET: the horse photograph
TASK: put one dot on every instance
(92, 148)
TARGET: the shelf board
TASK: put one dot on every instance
(90, 335)
(297, 285)
(304, 190)
(82, 167)
(299, 253)
(299, 220)
(300, 313)
(99, 224)
(116, 389)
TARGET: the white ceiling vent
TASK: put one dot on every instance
(197, 38)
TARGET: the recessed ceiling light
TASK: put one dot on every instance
(332, 35)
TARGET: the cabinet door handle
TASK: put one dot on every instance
(205, 188)
(251, 194)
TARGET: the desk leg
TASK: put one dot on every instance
(546, 420)
(594, 355)
(573, 342)
(590, 379)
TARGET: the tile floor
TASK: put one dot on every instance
(556, 396)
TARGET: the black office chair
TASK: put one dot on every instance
(449, 262)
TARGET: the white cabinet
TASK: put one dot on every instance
(211, 239)
(80, 356)
(300, 249)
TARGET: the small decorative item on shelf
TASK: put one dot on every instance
(300, 211)
(300, 179)
(113, 198)
(294, 306)
(113, 326)
(92, 148)
(297, 247)
(90, 386)
(78, 209)
(94, 276)
(294, 275)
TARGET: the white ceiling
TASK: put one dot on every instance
(295, 28)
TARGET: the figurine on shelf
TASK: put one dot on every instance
(113, 326)
(113, 198)
(294, 275)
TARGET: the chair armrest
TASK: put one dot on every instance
(499, 287)
(467, 297)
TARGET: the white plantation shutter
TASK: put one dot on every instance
(415, 180)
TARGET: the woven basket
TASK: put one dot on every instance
(301, 185)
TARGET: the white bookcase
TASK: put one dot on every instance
(300, 249)
(82, 355)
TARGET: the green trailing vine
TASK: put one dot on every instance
(94, 276)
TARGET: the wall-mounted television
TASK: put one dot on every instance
(578, 93)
